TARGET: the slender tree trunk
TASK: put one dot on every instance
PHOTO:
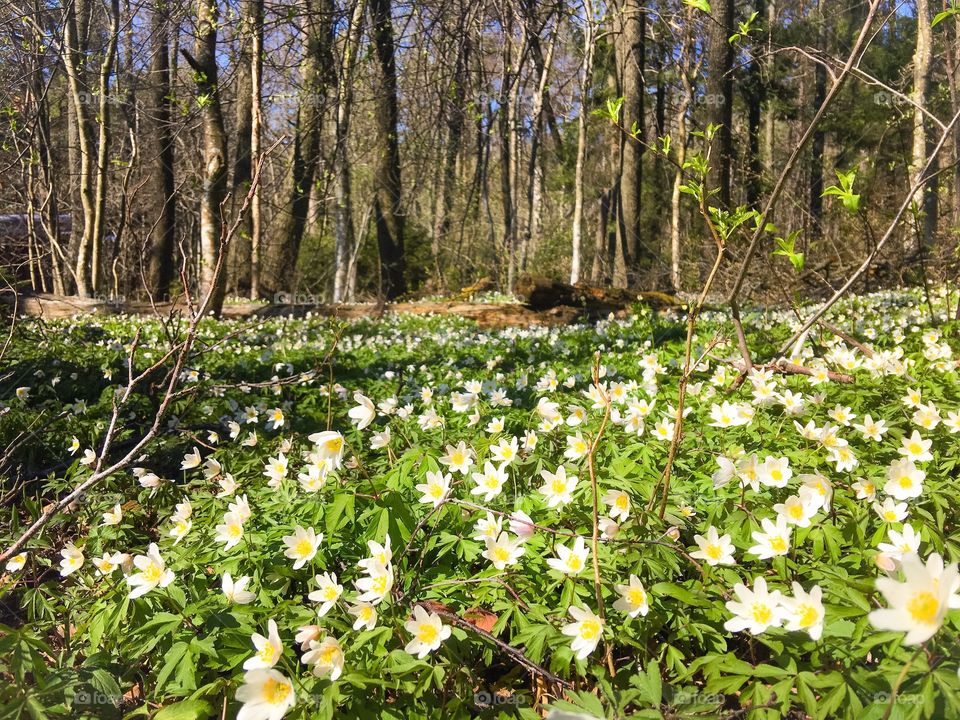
(256, 124)
(585, 81)
(818, 142)
(238, 280)
(754, 90)
(455, 115)
(719, 99)
(922, 61)
(317, 70)
(686, 99)
(343, 206)
(387, 186)
(214, 152)
(952, 57)
(73, 55)
(160, 264)
(631, 50)
(769, 117)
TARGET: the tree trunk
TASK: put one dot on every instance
(160, 265)
(585, 82)
(719, 99)
(755, 93)
(922, 60)
(73, 55)
(317, 70)
(256, 124)
(214, 153)
(343, 206)
(818, 142)
(387, 185)
(636, 255)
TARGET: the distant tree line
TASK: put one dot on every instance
(416, 147)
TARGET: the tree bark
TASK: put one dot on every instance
(719, 100)
(631, 48)
(214, 153)
(819, 137)
(387, 183)
(343, 205)
(922, 61)
(160, 261)
(585, 81)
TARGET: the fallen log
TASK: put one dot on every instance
(542, 294)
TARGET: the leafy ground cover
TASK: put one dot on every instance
(412, 518)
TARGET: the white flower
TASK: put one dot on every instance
(230, 531)
(327, 592)
(904, 480)
(329, 445)
(804, 611)
(428, 632)
(872, 429)
(17, 562)
(775, 540)
(302, 545)
(586, 631)
(72, 559)
(326, 656)
(521, 525)
(795, 511)
(891, 511)
(113, 517)
(577, 447)
(917, 605)
(376, 585)
(619, 503)
(775, 472)
(379, 554)
(503, 551)
(559, 487)
(435, 489)
(459, 458)
(191, 460)
(266, 695)
(633, 598)
(488, 528)
(269, 649)
(364, 412)
(905, 542)
(490, 482)
(715, 549)
(915, 448)
(235, 590)
(365, 614)
(505, 451)
(153, 573)
(275, 419)
(276, 469)
(570, 561)
(754, 610)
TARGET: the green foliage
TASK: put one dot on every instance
(80, 647)
(850, 200)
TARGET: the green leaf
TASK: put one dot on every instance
(185, 710)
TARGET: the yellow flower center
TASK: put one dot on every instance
(808, 615)
(333, 446)
(923, 607)
(637, 597)
(492, 482)
(778, 544)
(303, 547)
(713, 552)
(915, 448)
(889, 515)
(436, 491)
(267, 653)
(326, 657)
(776, 474)
(796, 511)
(379, 584)
(622, 502)
(275, 691)
(761, 613)
(558, 487)
(575, 563)
(457, 458)
(589, 629)
(331, 593)
(500, 554)
(427, 633)
(905, 481)
(152, 573)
